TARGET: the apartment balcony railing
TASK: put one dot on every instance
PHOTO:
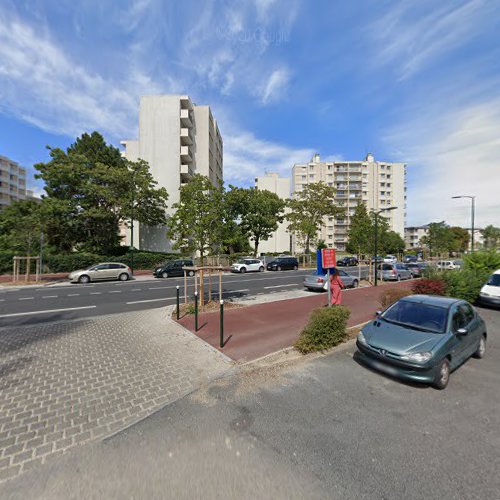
(186, 172)
(186, 118)
(186, 137)
(186, 157)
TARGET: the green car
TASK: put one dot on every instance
(423, 338)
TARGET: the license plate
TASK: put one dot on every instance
(385, 368)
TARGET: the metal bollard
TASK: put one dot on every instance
(221, 324)
(195, 311)
(178, 303)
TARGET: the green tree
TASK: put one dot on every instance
(198, 222)
(459, 239)
(438, 239)
(361, 231)
(392, 243)
(491, 236)
(308, 209)
(258, 211)
(21, 223)
(91, 189)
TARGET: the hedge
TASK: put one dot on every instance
(326, 329)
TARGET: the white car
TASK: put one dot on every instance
(449, 264)
(248, 265)
(390, 259)
(490, 293)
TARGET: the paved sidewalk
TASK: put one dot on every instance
(68, 383)
(257, 330)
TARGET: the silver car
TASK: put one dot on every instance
(394, 272)
(102, 271)
(319, 282)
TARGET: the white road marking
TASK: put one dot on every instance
(281, 286)
(115, 291)
(136, 289)
(46, 311)
(73, 294)
(234, 291)
(150, 300)
(49, 296)
(26, 298)
(95, 293)
(159, 287)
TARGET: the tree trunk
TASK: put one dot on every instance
(256, 247)
(307, 249)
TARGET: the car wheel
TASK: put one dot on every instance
(355, 284)
(190, 273)
(83, 279)
(123, 277)
(295, 268)
(261, 269)
(243, 270)
(278, 268)
(164, 274)
(442, 375)
(481, 348)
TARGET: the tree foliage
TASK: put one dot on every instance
(438, 239)
(91, 189)
(308, 209)
(198, 221)
(459, 239)
(360, 236)
(491, 236)
(257, 211)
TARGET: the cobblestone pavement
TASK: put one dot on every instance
(64, 384)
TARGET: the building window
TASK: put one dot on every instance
(304, 177)
(311, 176)
(388, 176)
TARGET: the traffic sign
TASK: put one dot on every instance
(328, 258)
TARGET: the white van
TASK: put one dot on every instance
(490, 293)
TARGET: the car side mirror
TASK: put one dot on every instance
(378, 313)
(461, 332)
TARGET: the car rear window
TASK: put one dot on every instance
(386, 267)
(416, 315)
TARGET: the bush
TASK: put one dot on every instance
(488, 260)
(391, 295)
(6, 261)
(465, 283)
(326, 329)
(427, 286)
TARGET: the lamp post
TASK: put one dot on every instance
(472, 216)
(132, 223)
(376, 214)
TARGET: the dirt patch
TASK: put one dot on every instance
(213, 306)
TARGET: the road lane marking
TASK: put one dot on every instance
(95, 293)
(136, 289)
(49, 296)
(26, 298)
(281, 286)
(73, 294)
(159, 287)
(115, 291)
(46, 311)
(149, 300)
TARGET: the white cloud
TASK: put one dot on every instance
(275, 87)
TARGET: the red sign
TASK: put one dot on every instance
(328, 258)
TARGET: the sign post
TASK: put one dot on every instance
(328, 262)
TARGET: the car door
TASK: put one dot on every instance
(460, 343)
(100, 272)
(115, 270)
(472, 325)
(176, 269)
(347, 279)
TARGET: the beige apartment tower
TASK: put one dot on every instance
(379, 184)
(178, 139)
(280, 240)
(12, 182)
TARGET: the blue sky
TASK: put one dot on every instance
(411, 81)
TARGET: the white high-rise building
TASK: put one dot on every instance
(379, 184)
(178, 139)
(13, 182)
(280, 239)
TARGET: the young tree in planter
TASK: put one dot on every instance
(197, 224)
(258, 212)
(308, 210)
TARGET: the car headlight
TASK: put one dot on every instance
(361, 339)
(419, 357)
(484, 294)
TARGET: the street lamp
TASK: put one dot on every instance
(472, 215)
(132, 223)
(376, 214)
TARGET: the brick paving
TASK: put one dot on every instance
(65, 384)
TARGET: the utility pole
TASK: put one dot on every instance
(472, 216)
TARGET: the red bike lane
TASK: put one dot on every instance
(256, 330)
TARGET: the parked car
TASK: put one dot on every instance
(283, 264)
(490, 292)
(423, 338)
(415, 269)
(102, 271)
(319, 282)
(390, 259)
(449, 264)
(410, 258)
(247, 265)
(378, 259)
(173, 268)
(347, 262)
(394, 272)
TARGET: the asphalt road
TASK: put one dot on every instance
(31, 305)
(319, 428)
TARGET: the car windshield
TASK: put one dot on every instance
(417, 316)
(494, 280)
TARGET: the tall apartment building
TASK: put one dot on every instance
(280, 239)
(12, 182)
(378, 184)
(413, 235)
(178, 139)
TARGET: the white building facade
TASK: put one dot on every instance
(413, 235)
(279, 242)
(12, 182)
(379, 184)
(178, 139)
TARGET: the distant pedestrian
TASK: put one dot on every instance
(336, 286)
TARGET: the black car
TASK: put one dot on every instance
(347, 261)
(283, 263)
(410, 258)
(173, 268)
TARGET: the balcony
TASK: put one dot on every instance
(186, 118)
(186, 103)
(186, 173)
(186, 157)
(186, 137)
